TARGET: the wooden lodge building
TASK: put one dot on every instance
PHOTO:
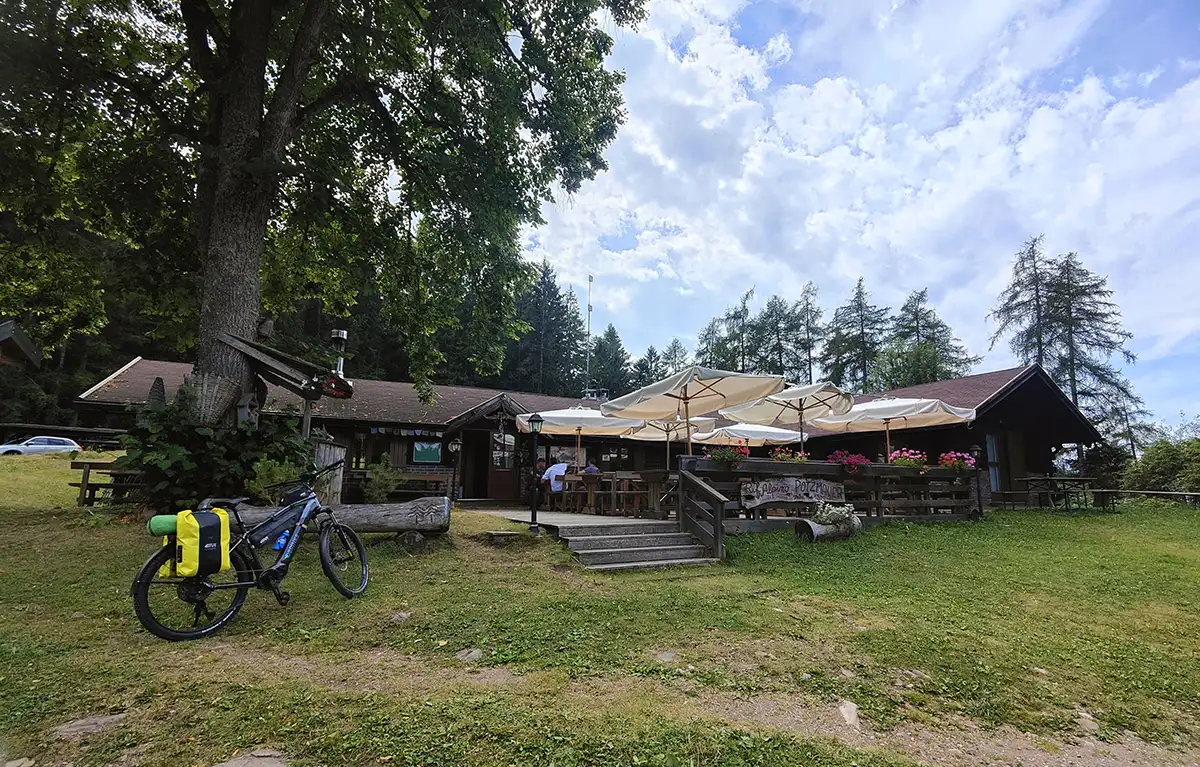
(1022, 420)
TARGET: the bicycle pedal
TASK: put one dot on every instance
(283, 598)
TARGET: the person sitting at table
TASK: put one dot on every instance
(592, 468)
(554, 475)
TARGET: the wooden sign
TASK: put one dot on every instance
(791, 490)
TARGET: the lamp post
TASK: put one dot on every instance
(535, 427)
(976, 454)
(455, 448)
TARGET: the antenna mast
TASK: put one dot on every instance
(587, 371)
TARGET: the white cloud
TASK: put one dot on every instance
(914, 144)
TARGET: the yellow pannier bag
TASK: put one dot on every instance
(201, 544)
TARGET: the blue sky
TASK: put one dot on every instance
(915, 144)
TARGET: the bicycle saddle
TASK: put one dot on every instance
(208, 503)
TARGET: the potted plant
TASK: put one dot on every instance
(851, 461)
(906, 456)
(956, 461)
(730, 455)
(789, 456)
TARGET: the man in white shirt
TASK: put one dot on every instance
(554, 475)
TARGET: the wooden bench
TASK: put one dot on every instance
(120, 481)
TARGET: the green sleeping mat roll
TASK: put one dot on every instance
(162, 524)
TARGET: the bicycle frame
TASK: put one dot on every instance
(312, 507)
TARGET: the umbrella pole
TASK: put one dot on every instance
(578, 448)
(687, 419)
(887, 432)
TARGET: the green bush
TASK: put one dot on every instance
(184, 461)
(1166, 465)
(268, 472)
(381, 480)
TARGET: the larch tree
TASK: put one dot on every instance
(675, 357)
(922, 347)
(408, 140)
(810, 332)
(1022, 311)
(647, 369)
(776, 335)
(856, 338)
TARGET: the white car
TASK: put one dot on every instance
(38, 445)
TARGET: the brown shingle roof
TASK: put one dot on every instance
(375, 401)
(968, 391)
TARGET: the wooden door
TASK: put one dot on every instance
(502, 468)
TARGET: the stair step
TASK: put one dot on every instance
(589, 542)
(644, 554)
(654, 563)
(616, 528)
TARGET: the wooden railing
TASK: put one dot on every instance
(702, 509)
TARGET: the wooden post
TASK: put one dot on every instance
(83, 484)
(326, 454)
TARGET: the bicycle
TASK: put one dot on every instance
(340, 547)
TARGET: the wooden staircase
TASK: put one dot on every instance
(625, 546)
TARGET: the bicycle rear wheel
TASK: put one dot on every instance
(176, 608)
(344, 559)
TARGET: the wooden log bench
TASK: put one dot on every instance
(422, 515)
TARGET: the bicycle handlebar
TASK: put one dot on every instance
(308, 477)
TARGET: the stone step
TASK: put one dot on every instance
(589, 542)
(567, 532)
(654, 563)
(644, 554)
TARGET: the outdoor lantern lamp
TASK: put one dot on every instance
(976, 454)
(455, 447)
(535, 426)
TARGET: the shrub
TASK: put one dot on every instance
(270, 472)
(184, 461)
(1157, 469)
(381, 480)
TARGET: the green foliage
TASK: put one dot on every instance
(648, 369)
(1168, 465)
(266, 472)
(856, 339)
(1106, 462)
(922, 348)
(184, 461)
(727, 342)
(675, 357)
(381, 480)
(811, 331)
(610, 363)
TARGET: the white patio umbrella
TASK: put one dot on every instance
(795, 405)
(671, 430)
(694, 389)
(750, 435)
(580, 421)
(899, 413)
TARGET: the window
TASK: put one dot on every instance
(40, 441)
(503, 450)
(427, 452)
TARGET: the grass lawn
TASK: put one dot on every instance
(1021, 621)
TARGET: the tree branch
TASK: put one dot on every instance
(201, 23)
(281, 114)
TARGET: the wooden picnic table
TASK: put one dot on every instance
(1062, 487)
(120, 481)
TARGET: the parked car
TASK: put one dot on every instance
(37, 445)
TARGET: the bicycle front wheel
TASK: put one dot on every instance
(344, 559)
(176, 608)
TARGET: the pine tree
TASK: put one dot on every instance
(675, 357)
(648, 369)
(921, 335)
(610, 363)
(1087, 333)
(548, 357)
(713, 347)
(775, 332)
(856, 339)
(727, 341)
(1023, 307)
(810, 332)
